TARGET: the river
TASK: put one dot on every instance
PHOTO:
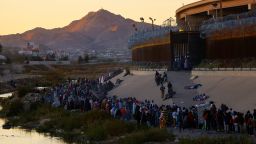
(20, 136)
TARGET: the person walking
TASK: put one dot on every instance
(162, 89)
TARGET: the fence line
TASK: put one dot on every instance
(225, 69)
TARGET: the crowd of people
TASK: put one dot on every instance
(182, 63)
(83, 95)
(75, 94)
(228, 120)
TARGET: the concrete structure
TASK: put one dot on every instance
(157, 50)
(187, 45)
(234, 88)
(190, 17)
(226, 27)
(169, 48)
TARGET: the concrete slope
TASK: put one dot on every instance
(183, 97)
(142, 86)
(236, 90)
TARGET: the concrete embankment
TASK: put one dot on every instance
(236, 89)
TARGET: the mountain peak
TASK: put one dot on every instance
(100, 17)
(103, 10)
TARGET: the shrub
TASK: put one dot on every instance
(118, 127)
(223, 140)
(14, 108)
(150, 135)
(102, 129)
(96, 132)
(22, 91)
(93, 115)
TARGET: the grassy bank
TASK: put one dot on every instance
(90, 71)
(79, 126)
(95, 126)
(54, 74)
(224, 140)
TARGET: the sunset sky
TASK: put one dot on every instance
(17, 16)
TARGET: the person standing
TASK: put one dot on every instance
(162, 121)
(254, 119)
(165, 78)
(170, 90)
(162, 89)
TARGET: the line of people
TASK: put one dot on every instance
(160, 80)
(82, 95)
(74, 94)
(227, 120)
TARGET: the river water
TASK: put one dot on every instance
(19, 136)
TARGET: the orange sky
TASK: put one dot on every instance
(17, 16)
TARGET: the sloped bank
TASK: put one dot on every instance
(75, 126)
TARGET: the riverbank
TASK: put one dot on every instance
(97, 126)
(75, 123)
(27, 111)
(50, 75)
(77, 126)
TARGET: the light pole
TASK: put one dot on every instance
(142, 19)
(187, 22)
(215, 8)
(221, 9)
(171, 20)
(152, 20)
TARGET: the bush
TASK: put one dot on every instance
(14, 108)
(224, 140)
(118, 127)
(22, 91)
(150, 135)
(228, 63)
(102, 129)
(95, 115)
(96, 132)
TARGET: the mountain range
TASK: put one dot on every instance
(99, 31)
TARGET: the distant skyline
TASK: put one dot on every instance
(18, 16)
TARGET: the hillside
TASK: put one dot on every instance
(100, 31)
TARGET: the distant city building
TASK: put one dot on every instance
(32, 52)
